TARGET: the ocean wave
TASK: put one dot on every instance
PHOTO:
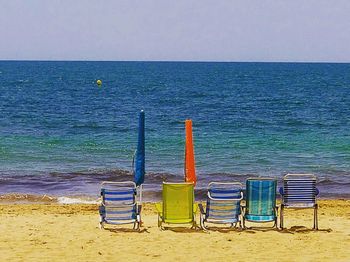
(29, 198)
(328, 181)
(13, 197)
(71, 200)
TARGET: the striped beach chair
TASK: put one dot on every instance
(299, 191)
(260, 201)
(223, 204)
(119, 204)
(178, 205)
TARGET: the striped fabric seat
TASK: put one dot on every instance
(119, 204)
(223, 204)
(260, 200)
(299, 191)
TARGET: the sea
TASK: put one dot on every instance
(61, 134)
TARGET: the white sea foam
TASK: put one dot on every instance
(70, 200)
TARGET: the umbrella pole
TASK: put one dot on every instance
(140, 190)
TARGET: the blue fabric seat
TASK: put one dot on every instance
(259, 218)
(222, 205)
(118, 205)
(260, 201)
(299, 191)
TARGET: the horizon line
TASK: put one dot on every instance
(171, 61)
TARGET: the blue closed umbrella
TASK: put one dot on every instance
(139, 168)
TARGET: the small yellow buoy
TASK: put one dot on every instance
(99, 82)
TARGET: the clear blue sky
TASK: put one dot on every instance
(200, 30)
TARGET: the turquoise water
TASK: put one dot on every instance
(62, 134)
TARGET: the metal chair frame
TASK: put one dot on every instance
(314, 193)
(136, 222)
(203, 213)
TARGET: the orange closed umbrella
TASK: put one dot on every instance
(190, 170)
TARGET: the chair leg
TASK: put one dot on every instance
(243, 210)
(101, 223)
(159, 222)
(201, 222)
(194, 224)
(315, 218)
(137, 226)
(205, 227)
(276, 217)
(240, 221)
(281, 217)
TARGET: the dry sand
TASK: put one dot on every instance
(52, 232)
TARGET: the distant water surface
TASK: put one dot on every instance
(61, 134)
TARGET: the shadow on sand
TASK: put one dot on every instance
(126, 230)
(302, 229)
(250, 230)
(253, 230)
(183, 229)
(224, 229)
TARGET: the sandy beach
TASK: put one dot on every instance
(56, 232)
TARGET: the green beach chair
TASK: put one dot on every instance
(178, 205)
(260, 201)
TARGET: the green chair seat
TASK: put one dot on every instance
(178, 204)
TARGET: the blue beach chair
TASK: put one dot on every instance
(119, 204)
(223, 204)
(260, 201)
(299, 191)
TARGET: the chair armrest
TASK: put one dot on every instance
(201, 208)
(159, 208)
(281, 191)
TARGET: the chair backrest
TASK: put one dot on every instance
(178, 200)
(261, 196)
(223, 201)
(119, 200)
(299, 190)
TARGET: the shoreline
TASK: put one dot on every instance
(19, 198)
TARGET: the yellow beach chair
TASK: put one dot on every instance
(178, 205)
